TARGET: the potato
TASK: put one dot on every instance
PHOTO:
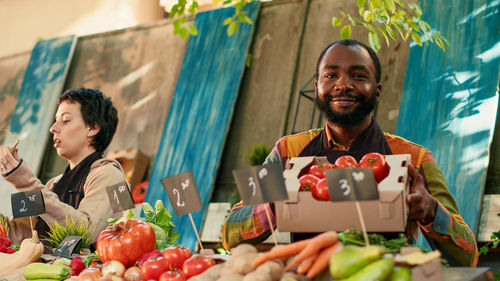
(257, 276)
(243, 249)
(292, 276)
(243, 264)
(231, 277)
(273, 268)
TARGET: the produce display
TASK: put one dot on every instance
(314, 179)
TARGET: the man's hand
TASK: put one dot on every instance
(422, 203)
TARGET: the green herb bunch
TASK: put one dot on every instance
(58, 232)
(355, 237)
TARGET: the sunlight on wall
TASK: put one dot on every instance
(23, 22)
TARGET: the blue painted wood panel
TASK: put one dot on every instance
(201, 110)
(449, 103)
(37, 101)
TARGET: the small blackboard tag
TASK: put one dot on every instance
(183, 193)
(260, 184)
(351, 184)
(119, 197)
(28, 203)
(67, 246)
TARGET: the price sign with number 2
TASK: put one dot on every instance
(183, 193)
(26, 204)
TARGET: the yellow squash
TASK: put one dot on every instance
(30, 251)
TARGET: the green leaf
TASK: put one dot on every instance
(247, 20)
(193, 30)
(368, 16)
(227, 21)
(374, 40)
(390, 32)
(184, 33)
(382, 31)
(173, 238)
(248, 63)
(399, 30)
(390, 5)
(345, 32)
(416, 38)
(149, 212)
(483, 250)
(336, 21)
(377, 4)
(361, 3)
(232, 28)
(380, 19)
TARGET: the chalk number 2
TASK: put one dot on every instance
(177, 193)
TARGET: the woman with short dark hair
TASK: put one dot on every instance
(85, 123)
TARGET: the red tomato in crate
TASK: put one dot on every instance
(308, 182)
(196, 264)
(172, 276)
(346, 161)
(320, 192)
(376, 162)
(317, 171)
(126, 241)
(175, 256)
(154, 267)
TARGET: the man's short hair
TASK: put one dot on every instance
(352, 42)
(96, 109)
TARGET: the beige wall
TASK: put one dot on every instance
(23, 22)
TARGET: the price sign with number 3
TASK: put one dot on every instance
(259, 184)
(183, 193)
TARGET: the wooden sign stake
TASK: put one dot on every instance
(363, 227)
(196, 232)
(271, 226)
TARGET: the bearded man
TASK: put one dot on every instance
(347, 88)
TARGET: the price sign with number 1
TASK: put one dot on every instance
(119, 197)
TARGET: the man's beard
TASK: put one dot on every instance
(348, 119)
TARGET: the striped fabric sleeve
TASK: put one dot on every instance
(448, 232)
(249, 224)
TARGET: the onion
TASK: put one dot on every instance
(113, 267)
(90, 274)
(133, 274)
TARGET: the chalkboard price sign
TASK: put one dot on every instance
(67, 246)
(26, 204)
(183, 193)
(353, 184)
(260, 184)
(119, 197)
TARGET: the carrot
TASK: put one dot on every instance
(323, 260)
(281, 252)
(306, 264)
(315, 244)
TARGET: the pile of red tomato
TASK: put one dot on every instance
(314, 180)
(127, 249)
(174, 264)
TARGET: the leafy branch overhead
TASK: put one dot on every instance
(381, 18)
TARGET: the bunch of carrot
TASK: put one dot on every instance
(311, 256)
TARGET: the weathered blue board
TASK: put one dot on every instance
(449, 103)
(201, 110)
(37, 101)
